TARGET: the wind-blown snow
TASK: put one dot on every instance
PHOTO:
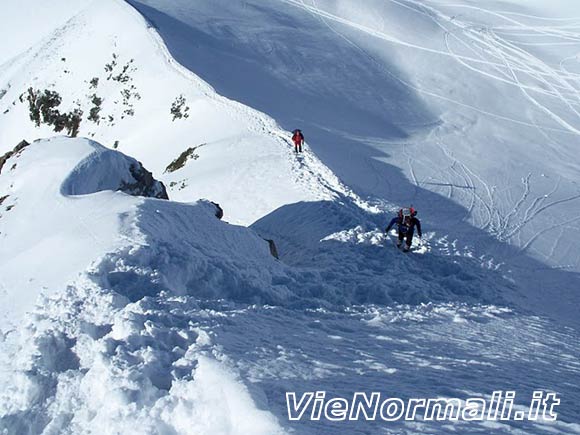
(83, 327)
(127, 322)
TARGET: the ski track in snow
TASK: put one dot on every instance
(509, 60)
(472, 34)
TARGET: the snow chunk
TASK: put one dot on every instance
(215, 402)
(106, 169)
(358, 236)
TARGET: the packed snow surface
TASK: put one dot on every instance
(164, 327)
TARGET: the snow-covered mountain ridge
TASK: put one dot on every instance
(128, 87)
(448, 105)
(60, 218)
(131, 314)
(62, 207)
(138, 317)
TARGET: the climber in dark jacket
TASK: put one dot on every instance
(406, 222)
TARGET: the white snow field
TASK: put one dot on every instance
(467, 111)
(124, 313)
(137, 90)
(85, 359)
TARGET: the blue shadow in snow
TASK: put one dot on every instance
(340, 97)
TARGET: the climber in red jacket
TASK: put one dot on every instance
(298, 139)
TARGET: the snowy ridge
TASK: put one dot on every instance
(111, 318)
(222, 132)
(124, 313)
(426, 122)
(82, 331)
(135, 245)
(140, 247)
(428, 118)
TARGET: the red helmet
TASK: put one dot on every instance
(407, 212)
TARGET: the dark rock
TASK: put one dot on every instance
(219, 212)
(144, 185)
(273, 249)
(9, 154)
(180, 161)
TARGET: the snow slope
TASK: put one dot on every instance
(469, 112)
(234, 148)
(74, 255)
(123, 314)
(61, 215)
(437, 103)
(143, 315)
(32, 21)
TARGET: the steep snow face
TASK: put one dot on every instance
(447, 105)
(135, 97)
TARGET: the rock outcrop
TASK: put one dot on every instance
(9, 154)
(144, 185)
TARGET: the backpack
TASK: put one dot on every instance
(406, 216)
(297, 134)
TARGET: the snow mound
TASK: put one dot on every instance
(64, 214)
(106, 169)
